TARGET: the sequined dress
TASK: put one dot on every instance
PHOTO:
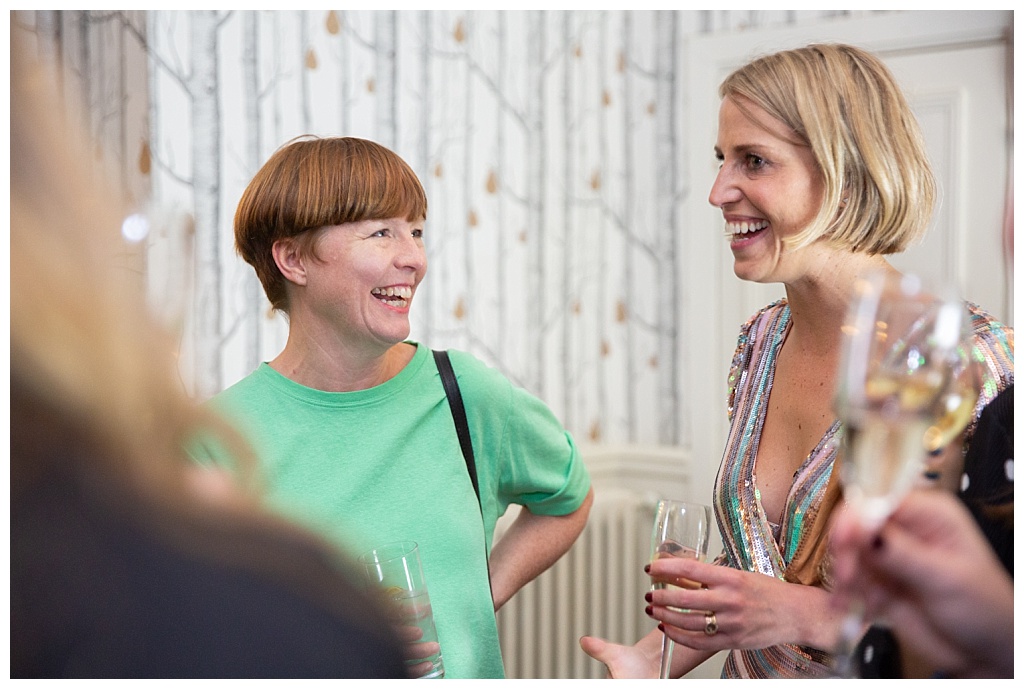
(749, 541)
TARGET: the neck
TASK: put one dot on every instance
(328, 363)
(818, 302)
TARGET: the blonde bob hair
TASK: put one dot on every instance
(845, 104)
(93, 375)
(311, 183)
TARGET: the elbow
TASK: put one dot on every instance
(582, 513)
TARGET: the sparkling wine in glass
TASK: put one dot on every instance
(681, 529)
(907, 386)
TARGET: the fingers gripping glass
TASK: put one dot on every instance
(680, 530)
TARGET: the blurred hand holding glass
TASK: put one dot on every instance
(907, 386)
(396, 570)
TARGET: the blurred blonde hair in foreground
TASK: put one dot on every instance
(128, 560)
(86, 356)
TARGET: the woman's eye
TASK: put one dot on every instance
(418, 234)
(381, 233)
(755, 162)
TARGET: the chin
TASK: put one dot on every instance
(757, 271)
(747, 274)
(400, 336)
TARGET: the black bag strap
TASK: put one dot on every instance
(451, 389)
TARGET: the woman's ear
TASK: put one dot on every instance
(289, 260)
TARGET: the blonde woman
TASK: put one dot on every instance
(823, 174)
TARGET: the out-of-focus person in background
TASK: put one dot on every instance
(350, 420)
(938, 577)
(125, 561)
(823, 173)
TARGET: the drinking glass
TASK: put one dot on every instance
(908, 382)
(680, 530)
(396, 570)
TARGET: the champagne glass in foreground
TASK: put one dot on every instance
(907, 386)
(680, 530)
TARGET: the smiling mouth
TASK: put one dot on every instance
(737, 230)
(395, 297)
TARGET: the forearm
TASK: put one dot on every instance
(532, 544)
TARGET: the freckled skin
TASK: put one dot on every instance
(341, 336)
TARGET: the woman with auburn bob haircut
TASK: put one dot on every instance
(350, 420)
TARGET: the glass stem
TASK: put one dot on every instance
(849, 635)
(667, 645)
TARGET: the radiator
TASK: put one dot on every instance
(596, 588)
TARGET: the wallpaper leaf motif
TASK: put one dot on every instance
(333, 23)
(145, 161)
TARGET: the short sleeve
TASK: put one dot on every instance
(524, 455)
(543, 469)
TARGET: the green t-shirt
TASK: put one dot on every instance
(374, 466)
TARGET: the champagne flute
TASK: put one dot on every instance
(907, 386)
(680, 530)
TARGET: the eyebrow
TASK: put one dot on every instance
(747, 148)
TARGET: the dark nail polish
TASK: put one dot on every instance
(647, 568)
(648, 610)
(649, 597)
(661, 628)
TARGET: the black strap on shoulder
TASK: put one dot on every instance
(451, 389)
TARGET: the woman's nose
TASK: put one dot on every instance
(724, 190)
(412, 253)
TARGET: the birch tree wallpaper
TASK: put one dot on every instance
(549, 144)
(555, 149)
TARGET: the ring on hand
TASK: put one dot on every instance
(710, 624)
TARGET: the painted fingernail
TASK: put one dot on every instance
(648, 610)
(661, 627)
(649, 597)
(647, 568)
